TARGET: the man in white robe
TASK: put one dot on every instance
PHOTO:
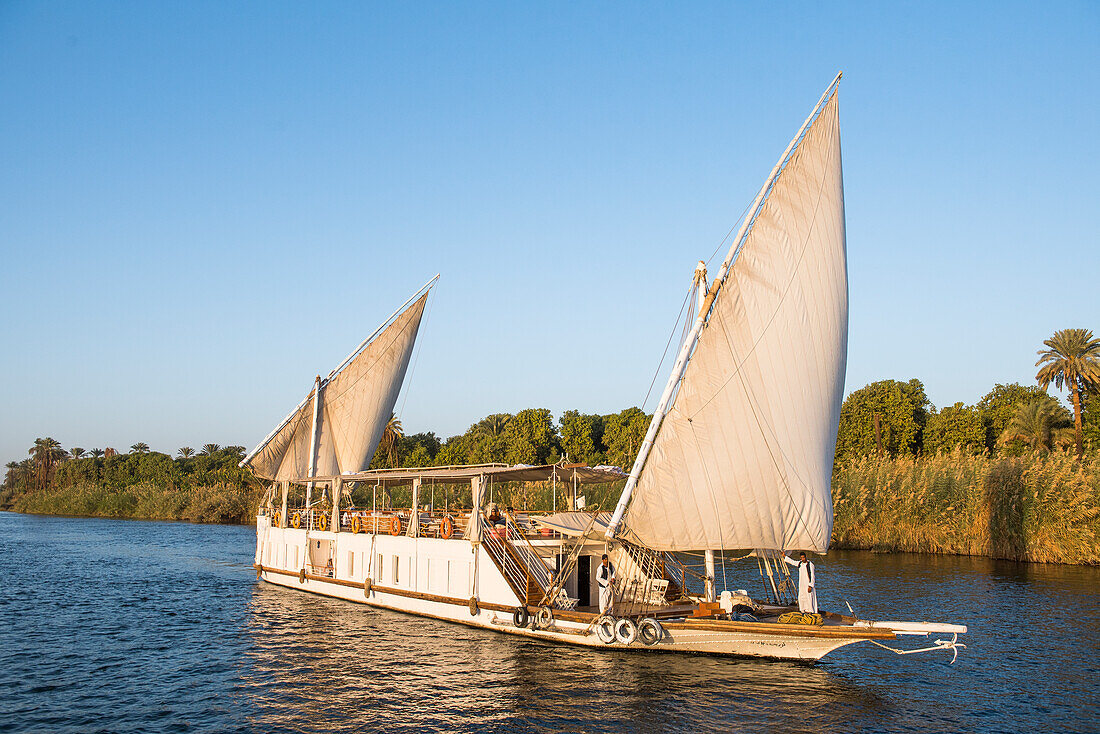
(807, 581)
(605, 578)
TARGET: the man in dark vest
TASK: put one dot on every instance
(605, 577)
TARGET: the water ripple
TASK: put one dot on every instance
(128, 627)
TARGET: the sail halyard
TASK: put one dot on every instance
(710, 496)
(337, 427)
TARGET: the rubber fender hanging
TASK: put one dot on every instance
(626, 631)
(605, 630)
(473, 606)
(302, 576)
(521, 617)
(366, 587)
(650, 632)
(259, 572)
(545, 618)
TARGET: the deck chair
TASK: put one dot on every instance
(565, 602)
(656, 594)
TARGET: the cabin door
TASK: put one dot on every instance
(584, 581)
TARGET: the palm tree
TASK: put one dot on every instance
(45, 453)
(1041, 424)
(140, 448)
(76, 452)
(390, 436)
(493, 425)
(209, 449)
(96, 453)
(1072, 357)
(186, 452)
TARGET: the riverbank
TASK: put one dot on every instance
(1041, 506)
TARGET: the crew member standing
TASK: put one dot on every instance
(807, 581)
(605, 577)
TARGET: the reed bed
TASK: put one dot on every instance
(147, 500)
(1036, 507)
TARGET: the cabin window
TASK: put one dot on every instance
(448, 582)
(396, 575)
(267, 553)
(378, 568)
(295, 556)
(428, 573)
(412, 572)
(351, 564)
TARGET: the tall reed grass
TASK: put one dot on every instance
(1037, 507)
(147, 500)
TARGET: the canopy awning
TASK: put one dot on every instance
(574, 523)
(496, 472)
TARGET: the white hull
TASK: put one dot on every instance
(422, 587)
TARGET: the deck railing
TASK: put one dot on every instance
(516, 573)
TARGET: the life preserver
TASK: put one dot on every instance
(626, 631)
(322, 521)
(395, 525)
(447, 528)
(521, 617)
(275, 519)
(650, 632)
(605, 630)
(296, 521)
(355, 525)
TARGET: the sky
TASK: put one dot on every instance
(205, 204)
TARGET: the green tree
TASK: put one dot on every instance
(999, 406)
(76, 452)
(581, 436)
(1072, 358)
(530, 436)
(957, 426)
(186, 452)
(96, 453)
(1090, 418)
(622, 436)
(1041, 424)
(209, 449)
(902, 408)
(140, 448)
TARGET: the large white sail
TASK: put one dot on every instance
(356, 404)
(744, 457)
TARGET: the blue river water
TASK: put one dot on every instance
(122, 626)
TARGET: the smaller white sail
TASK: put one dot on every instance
(356, 404)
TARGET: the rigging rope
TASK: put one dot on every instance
(664, 354)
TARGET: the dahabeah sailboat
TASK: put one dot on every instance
(736, 464)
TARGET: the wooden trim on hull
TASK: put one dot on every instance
(752, 631)
(783, 630)
(389, 590)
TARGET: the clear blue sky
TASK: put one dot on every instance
(203, 205)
